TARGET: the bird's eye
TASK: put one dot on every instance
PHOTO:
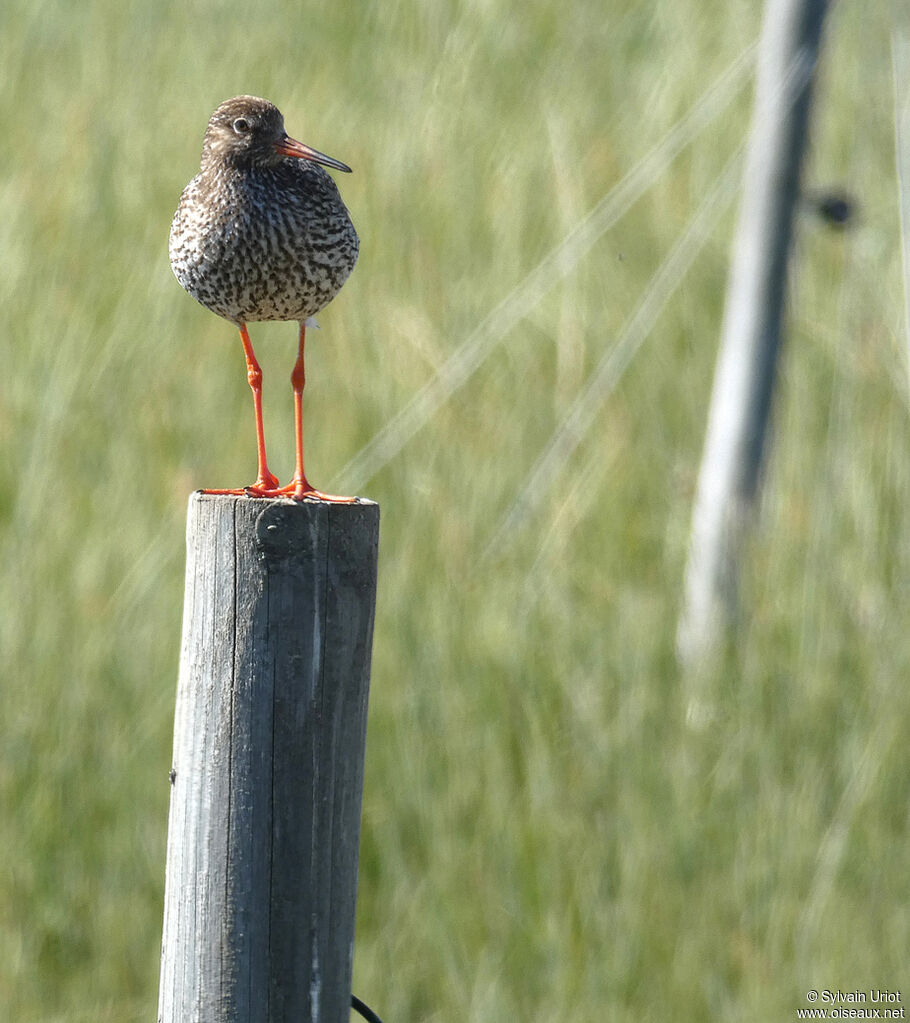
(241, 126)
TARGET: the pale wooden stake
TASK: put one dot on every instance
(267, 774)
(745, 373)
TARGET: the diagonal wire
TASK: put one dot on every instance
(556, 265)
(613, 364)
(581, 414)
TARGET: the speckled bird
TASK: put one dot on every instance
(261, 233)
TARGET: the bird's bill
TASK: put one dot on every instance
(291, 147)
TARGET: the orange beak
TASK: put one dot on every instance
(291, 147)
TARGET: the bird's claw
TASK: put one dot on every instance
(295, 491)
(300, 490)
(266, 485)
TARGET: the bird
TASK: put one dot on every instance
(262, 233)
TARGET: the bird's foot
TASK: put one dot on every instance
(297, 490)
(266, 485)
(300, 490)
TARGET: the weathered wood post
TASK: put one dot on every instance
(266, 782)
(746, 366)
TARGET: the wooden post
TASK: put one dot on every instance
(266, 782)
(746, 367)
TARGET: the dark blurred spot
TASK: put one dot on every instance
(836, 209)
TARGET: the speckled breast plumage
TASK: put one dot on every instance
(272, 243)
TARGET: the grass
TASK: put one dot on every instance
(553, 829)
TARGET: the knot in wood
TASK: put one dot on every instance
(287, 529)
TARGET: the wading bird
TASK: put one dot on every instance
(261, 233)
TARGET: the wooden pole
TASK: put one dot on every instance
(267, 775)
(744, 378)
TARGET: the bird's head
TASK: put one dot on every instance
(247, 132)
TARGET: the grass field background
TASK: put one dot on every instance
(556, 826)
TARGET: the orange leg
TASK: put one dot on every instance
(266, 483)
(299, 488)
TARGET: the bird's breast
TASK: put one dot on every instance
(263, 246)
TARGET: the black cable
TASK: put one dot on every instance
(364, 1010)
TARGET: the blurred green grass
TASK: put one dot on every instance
(555, 826)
